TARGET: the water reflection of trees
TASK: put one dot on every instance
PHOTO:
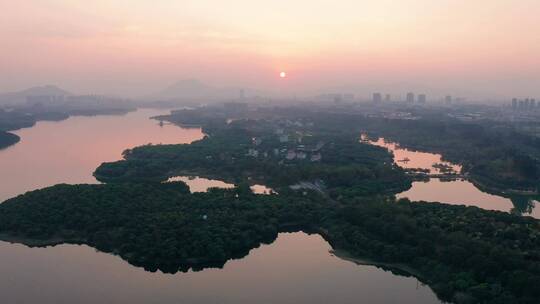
(523, 204)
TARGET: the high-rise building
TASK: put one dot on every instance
(448, 99)
(532, 103)
(377, 97)
(242, 94)
(410, 98)
(387, 98)
(514, 103)
(422, 98)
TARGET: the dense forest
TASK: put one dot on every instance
(347, 167)
(8, 139)
(151, 225)
(467, 255)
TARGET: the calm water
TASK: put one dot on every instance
(457, 192)
(69, 151)
(297, 268)
(415, 159)
(201, 184)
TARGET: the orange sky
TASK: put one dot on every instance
(481, 48)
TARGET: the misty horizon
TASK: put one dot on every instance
(197, 90)
(481, 50)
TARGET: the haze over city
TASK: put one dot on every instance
(486, 49)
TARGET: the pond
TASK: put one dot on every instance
(201, 184)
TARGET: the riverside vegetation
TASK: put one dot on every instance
(466, 254)
(495, 155)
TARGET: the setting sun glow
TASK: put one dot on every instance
(470, 48)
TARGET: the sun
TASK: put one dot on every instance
(282, 74)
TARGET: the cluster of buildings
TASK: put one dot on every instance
(287, 154)
(410, 98)
(289, 149)
(301, 152)
(524, 104)
(337, 97)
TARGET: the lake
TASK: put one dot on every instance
(457, 192)
(69, 151)
(296, 268)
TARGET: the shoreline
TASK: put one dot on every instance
(65, 115)
(11, 139)
(342, 254)
(347, 256)
(30, 242)
(499, 191)
(469, 176)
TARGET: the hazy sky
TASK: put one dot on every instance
(475, 47)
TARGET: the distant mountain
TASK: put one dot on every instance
(20, 96)
(192, 89)
(44, 90)
(188, 88)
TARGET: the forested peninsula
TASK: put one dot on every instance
(7, 139)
